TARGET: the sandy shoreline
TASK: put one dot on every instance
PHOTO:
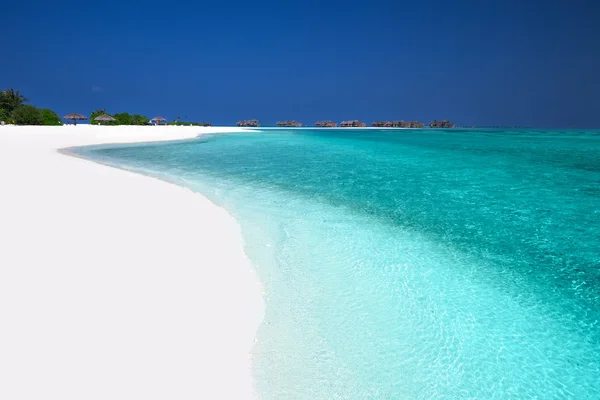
(113, 284)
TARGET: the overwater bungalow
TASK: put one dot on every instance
(290, 124)
(353, 124)
(395, 124)
(441, 124)
(326, 124)
(382, 124)
(249, 123)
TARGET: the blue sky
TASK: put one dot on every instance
(475, 62)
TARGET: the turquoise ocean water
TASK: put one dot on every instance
(410, 264)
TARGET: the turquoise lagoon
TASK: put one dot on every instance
(409, 264)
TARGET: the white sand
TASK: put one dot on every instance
(114, 285)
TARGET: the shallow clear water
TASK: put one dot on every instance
(410, 264)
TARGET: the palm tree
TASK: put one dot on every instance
(10, 99)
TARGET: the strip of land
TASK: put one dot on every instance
(115, 285)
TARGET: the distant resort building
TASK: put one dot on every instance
(290, 124)
(326, 124)
(397, 124)
(441, 124)
(353, 124)
(383, 124)
(249, 123)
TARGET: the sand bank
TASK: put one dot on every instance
(116, 285)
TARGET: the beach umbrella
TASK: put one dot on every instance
(74, 117)
(105, 118)
(158, 119)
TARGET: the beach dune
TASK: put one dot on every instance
(115, 285)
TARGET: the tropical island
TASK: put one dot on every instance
(15, 111)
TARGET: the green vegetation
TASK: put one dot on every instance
(12, 110)
(50, 117)
(10, 100)
(28, 115)
(127, 119)
(124, 119)
(121, 118)
(140, 119)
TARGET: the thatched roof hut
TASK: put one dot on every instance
(75, 117)
(390, 124)
(383, 124)
(290, 124)
(104, 118)
(441, 124)
(158, 119)
(325, 124)
(353, 124)
(249, 122)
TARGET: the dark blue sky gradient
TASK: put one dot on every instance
(475, 62)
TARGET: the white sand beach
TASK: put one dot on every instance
(114, 285)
